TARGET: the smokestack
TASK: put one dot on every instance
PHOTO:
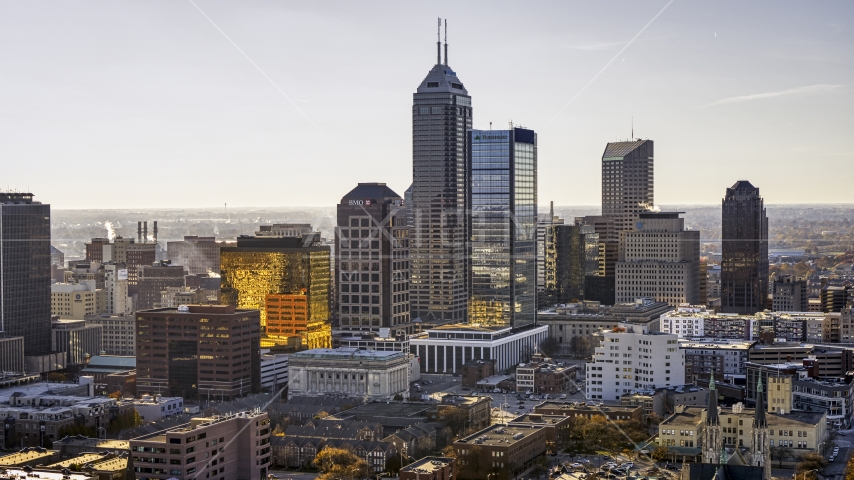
(139, 232)
(145, 232)
(155, 231)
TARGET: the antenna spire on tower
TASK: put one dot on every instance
(439, 43)
(446, 42)
(633, 127)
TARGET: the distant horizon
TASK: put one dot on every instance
(334, 204)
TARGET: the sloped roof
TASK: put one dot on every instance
(444, 76)
(621, 149)
(370, 191)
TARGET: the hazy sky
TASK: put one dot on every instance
(149, 104)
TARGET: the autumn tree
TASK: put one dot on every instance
(810, 462)
(340, 464)
(780, 454)
(471, 463)
(455, 419)
(660, 453)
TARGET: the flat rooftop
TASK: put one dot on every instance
(113, 464)
(80, 460)
(537, 419)
(578, 406)
(346, 352)
(27, 455)
(503, 435)
(393, 409)
(427, 465)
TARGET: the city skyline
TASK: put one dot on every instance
(186, 91)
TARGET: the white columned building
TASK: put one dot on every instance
(350, 372)
(445, 349)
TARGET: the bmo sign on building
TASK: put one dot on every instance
(372, 260)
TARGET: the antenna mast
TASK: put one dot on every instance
(439, 43)
(633, 127)
(446, 42)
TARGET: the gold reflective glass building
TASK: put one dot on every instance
(278, 270)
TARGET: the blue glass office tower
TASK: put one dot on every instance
(503, 227)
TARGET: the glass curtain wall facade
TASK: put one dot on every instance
(25, 271)
(503, 199)
(441, 115)
(744, 250)
(576, 257)
(258, 267)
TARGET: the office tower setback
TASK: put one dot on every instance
(503, 199)
(546, 273)
(198, 351)
(372, 259)
(441, 116)
(25, 270)
(199, 255)
(627, 181)
(659, 259)
(789, 295)
(257, 268)
(744, 250)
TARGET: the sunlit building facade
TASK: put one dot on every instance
(503, 199)
(261, 268)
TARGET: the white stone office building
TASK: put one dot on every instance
(630, 359)
(444, 349)
(659, 259)
(118, 333)
(349, 372)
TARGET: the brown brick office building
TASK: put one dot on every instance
(197, 351)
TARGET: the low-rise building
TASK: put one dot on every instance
(502, 452)
(803, 432)
(378, 375)
(29, 457)
(478, 409)
(446, 348)
(430, 468)
(699, 322)
(664, 401)
(78, 340)
(414, 441)
(543, 375)
(726, 357)
(72, 446)
(232, 446)
(574, 409)
(152, 408)
(476, 370)
(557, 427)
(274, 371)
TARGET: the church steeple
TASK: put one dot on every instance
(712, 413)
(759, 420)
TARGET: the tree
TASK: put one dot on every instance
(117, 395)
(56, 377)
(550, 346)
(809, 463)
(659, 454)
(393, 464)
(455, 419)
(449, 452)
(471, 464)
(781, 453)
(340, 464)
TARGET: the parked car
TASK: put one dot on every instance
(563, 396)
(627, 465)
(671, 466)
(577, 465)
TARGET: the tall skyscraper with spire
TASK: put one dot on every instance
(744, 250)
(441, 116)
(712, 439)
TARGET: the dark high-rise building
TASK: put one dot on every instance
(441, 116)
(25, 271)
(503, 199)
(627, 182)
(576, 258)
(195, 351)
(744, 250)
(372, 259)
(602, 286)
(789, 294)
